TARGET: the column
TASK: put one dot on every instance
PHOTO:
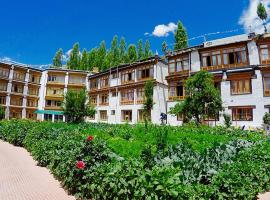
(66, 83)
(9, 88)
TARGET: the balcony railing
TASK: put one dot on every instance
(176, 98)
(127, 102)
(16, 102)
(19, 76)
(3, 87)
(33, 92)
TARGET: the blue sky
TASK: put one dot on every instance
(31, 31)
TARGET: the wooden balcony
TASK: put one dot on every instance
(179, 72)
(53, 108)
(103, 103)
(267, 93)
(4, 73)
(140, 101)
(219, 67)
(176, 98)
(127, 102)
(19, 76)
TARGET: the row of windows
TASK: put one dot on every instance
(238, 114)
(126, 115)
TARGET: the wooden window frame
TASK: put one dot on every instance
(234, 110)
(124, 113)
(181, 59)
(94, 84)
(127, 100)
(103, 115)
(142, 70)
(265, 76)
(140, 95)
(104, 81)
(124, 75)
(174, 98)
(267, 61)
(3, 100)
(238, 82)
(104, 96)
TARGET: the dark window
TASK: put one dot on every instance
(231, 58)
(180, 90)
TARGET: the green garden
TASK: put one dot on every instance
(102, 161)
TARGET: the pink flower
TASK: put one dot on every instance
(80, 164)
(90, 138)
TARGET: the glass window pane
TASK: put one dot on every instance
(172, 67)
(264, 54)
(214, 61)
(225, 59)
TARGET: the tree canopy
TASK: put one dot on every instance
(102, 57)
(2, 112)
(262, 14)
(180, 37)
(202, 99)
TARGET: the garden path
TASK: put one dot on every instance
(22, 179)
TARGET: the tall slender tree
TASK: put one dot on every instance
(132, 53)
(147, 51)
(84, 60)
(180, 37)
(140, 49)
(114, 51)
(74, 59)
(262, 14)
(122, 50)
(57, 60)
(101, 55)
(92, 59)
(164, 47)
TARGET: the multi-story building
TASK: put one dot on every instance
(118, 93)
(27, 92)
(240, 65)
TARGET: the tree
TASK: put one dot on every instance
(148, 101)
(101, 54)
(2, 112)
(180, 37)
(202, 100)
(147, 51)
(92, 59)
(122, 51)
(132, 53)
(74, 59)
(114, 51)
(57, 60)
(262, 14)
(164, 47)
(84, 60)
(140, 49)
(75, 107)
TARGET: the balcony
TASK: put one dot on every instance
(126, 102)
(4, 73)
(19, 76)
(16, 102)
(55, 92)
(76, 81)
(56, 80)
(34, 79)
(176, 98)
(17, 89)
(32, 92)
(3, 87)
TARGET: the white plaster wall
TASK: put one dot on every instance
(42, 92)
(253, 53)
(254, 99)
(195, 61)
(159, 97)
(114, 82)
(172, 119)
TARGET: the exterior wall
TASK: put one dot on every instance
(195, 61)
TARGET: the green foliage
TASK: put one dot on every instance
(164, 47)
(132, 53)
(227, 120)
(84, 60)
(2, 112)
(202, 100)
(262, 14)
(180, 37)
(148, 101)
(74, 60)
(57, 60)
(266, 119)
(189, 162)
(75, 107)
(140, 50)
(147, 50)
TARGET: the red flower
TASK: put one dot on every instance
(80, 164)
(90, 138)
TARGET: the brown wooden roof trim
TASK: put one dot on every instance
(246, 106)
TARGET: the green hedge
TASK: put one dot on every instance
(168, 163)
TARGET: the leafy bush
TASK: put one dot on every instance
(101, 161)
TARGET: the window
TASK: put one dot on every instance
(104, 99)
(211, 59)
(264, 53)
(31, 103)
(3, 100)
(4, 72)
(93, 100)
(17, 88)
(145, 72)
(3, 86)
(242, 114)
(18, 76)
(141, 115)
(104, 81)
(34, 78)
(179, 117)
(15, 114)
(16, 101)
(128, 76)
(51, 78)
(31, 115)
(241, 86)
(179, 65)
(94, 83)
(112, 112)
(126, 115)
(127, 96)
(114, 75)
(55, 91)
(32, 91)
(140, 95)
(266, 84)
(58, 118)
(53, 103)
(103, 115)
(114, 94)
(48, 117)
(176, 90)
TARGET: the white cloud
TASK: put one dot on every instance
(7, 59)
(249, 19)
(66, 56)
(163, 30)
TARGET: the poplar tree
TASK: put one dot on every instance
(164, 47)
(147, 51)
(84, 60)
(132, 53)
(74, 60)
(101, 55)
(140, 49)
(122, 51)
(92, 58)
(262, 14)
(57, 60)
(114, 51)
(180, 37)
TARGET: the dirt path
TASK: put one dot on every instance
(22, 179)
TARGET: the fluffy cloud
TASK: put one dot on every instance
(249, 19)
(163, 30)
(7, 59)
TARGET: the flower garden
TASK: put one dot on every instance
(101, 161)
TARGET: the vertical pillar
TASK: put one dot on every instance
(66, 82)
(9, 88)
